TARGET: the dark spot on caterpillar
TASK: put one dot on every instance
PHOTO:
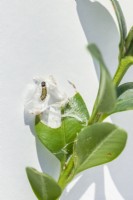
(43, 84)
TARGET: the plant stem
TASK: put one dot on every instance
(124, 65)
(94, 118)
(119, 75)
(67, 174)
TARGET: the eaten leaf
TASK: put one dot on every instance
(60, 140)
(76, 108)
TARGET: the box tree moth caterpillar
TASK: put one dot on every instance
(44, 91)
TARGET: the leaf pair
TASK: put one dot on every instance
(106, 101)
(124, 91)
(95, 145)
(106, 97)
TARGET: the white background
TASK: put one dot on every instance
(40, 37)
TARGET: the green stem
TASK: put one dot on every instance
(124, 65)
(95, 117)
(102, 117)
(67, 174)
(119, 75)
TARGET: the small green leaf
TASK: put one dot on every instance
(52, 138)
(59, 140)
(106, 96)
(124, 102)
(129, 43)
(98, 144)
(124, 87)
(44, 186)
(76, 108)
(122, 26)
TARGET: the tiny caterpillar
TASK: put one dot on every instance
(44, 91)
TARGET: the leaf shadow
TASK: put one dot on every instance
(46, 159)
(99, 28)
(88, 177)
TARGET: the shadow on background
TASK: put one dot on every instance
(46, 159)
(100, 28)
(94, 175)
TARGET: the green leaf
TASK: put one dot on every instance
(44, 186)
(124, 87)
(122, 25)
(129, 43)
(124, 102)
(106, 96)
(98, 144)
(76, 108)
(60, 140)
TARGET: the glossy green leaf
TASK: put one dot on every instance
(98, 144)
(122, 25)
(124, 102)
(44, 186)
(124, 87)
(76, 108)
(60, 140)
(106, 97)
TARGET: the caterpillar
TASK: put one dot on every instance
(44, 91)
